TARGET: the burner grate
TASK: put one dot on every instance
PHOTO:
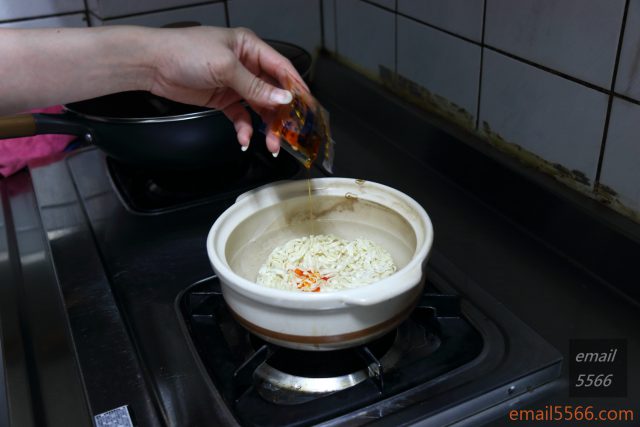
(258, 379)
(156, 191)
(289, 377)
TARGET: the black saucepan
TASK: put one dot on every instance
(143, 129)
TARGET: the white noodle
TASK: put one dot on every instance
(325, 262)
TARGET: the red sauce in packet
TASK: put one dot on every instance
(303, 128)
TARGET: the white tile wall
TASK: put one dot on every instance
(366, 35)
(463, 17)
(329, 18)
(559, 120)
(577, 37)
(443, 64)
(628, 80)
(553, 117)
(104, 9)
(73, 20)
(293, 21)
(620, 169)
(208, 14)
(19, 9)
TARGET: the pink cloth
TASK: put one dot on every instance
(17, 152)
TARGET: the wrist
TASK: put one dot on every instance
(129, 56)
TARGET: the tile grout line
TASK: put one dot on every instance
(166, 9)
(435, 27)
(626, 98)
(395, 47)
(226, 14)
(86, 12)
(335, 24)
(549, 70)
(614, 77)
(379, 6)
(90, 13)
(322, 35)
(33, 18)
(484, 23)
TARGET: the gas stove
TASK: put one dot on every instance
(152, 332)
(441, 346)
(265, 384)
(123, 262)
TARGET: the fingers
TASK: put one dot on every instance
(254, 90)
(273, 143)
(259, 57)
(272, 140)
(262, 96)
(222, 99)
(276, 65)
(241, 120)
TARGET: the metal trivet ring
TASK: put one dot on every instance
(279, 387)
(283, 388)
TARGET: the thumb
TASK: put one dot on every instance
(256, 91)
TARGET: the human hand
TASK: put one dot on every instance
(219, 68)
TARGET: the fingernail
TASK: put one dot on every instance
(276, 153)
(280, 96)
(244, 147)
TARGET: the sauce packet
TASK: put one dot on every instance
(303, 129)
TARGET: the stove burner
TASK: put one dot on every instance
(293, 376)
(257, 379)
(155, 191)
(279, 387)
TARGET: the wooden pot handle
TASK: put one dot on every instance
(17, 126)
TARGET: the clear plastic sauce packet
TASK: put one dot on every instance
(303, 129)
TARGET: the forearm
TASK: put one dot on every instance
(44, 67)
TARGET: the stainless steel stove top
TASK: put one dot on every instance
(264, 384)
(124, 276)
